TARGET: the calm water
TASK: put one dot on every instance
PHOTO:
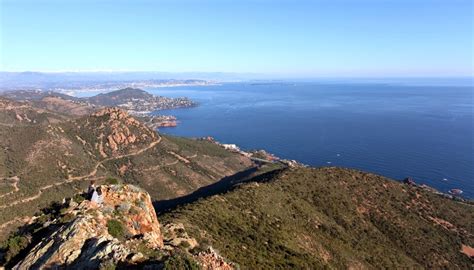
(394, 130)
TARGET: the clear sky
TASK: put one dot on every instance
(293, 38)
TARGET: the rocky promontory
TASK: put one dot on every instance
(121, 232)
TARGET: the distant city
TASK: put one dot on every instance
(84, 82)
(73, 83)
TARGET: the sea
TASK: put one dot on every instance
(419, 128)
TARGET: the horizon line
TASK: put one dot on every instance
(268, 75)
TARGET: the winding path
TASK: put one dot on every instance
(168, 164)
(78, 178)
(15, 179)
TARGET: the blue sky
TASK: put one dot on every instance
(284, 38)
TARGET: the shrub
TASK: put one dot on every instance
(116, 229)
(180, 261)
(184, 244)
(14, 245)
(109, 265)
(78, 198)
(67, 218)
(112, 181)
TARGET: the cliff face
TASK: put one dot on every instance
(121, 233)
(100, 234)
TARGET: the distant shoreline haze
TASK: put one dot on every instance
(106, 81)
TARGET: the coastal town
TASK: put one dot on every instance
(73, 86)
(144, 106)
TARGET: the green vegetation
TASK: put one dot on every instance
(193, 146)
(45, 154)
(112, 181)
(150, 253)
(78, 198)
(180, 261)
(313, 218)
(116, 229)
(109, 265)
(13, 246)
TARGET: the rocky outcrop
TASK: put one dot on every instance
(211, 260)
(121, 232)
(100, 234)
(117, 131)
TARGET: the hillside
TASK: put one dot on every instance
(45, 160)
(122, 232)
(16, 114)
(118, 97)
(263, 216)
(52, 101)
(330, 217)
(138, 101)
(131, 99)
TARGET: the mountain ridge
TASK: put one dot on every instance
(44, 161)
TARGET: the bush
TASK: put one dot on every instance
(14, 245)
(116, 229)
(112, 181)
(180, 261)
(109, 265)
(78, 198)
(67, 218)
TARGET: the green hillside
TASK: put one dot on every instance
(330, 217)
(45, 161)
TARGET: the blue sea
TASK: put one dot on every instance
(396, 128)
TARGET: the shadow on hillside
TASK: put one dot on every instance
(29, 235)
(225, 184)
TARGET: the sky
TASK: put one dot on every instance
(284, 38)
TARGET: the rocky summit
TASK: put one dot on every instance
(97, 234)
(117, 131)
(123, 231)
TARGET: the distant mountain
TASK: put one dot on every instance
(104, 79)
(115, 98)
(139, 101)
(35, 95)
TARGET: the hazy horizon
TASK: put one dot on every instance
(302, 39)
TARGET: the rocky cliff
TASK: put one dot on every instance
(112, 131)
(100, 234)
(122, 232)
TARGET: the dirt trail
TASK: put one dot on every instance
(77, 178)
(168, 164)
(6, 125)
(15, 179)
(23, 219)
(179, 157)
